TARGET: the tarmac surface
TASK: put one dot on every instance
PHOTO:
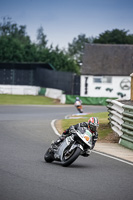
(26, 134)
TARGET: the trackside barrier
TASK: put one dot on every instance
(53, 93)
(70, 99)
(121, 121)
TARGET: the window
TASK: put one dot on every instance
(102, 79)
(107, 79)
(97, 79)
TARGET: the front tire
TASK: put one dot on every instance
(49, 156)
(69, 158)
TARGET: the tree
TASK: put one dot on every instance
(63, 62)
(14, 50)
(76, 48)
(15, 44)
(41, 38)
(59, 59)
(115, 36)
(7, 28)
(11, 50)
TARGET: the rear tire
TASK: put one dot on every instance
(81, 111)
(49, 156)
(69, 159)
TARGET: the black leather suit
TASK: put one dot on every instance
(71, 130)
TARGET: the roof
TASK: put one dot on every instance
(107, 59)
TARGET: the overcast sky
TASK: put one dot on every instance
(62, 20)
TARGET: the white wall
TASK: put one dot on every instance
(56, 94)
(88, 88)
(19, 89)
(32, 90)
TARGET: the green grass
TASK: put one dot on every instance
(104, 127)
(6, 99)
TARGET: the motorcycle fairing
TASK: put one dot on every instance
(59, 153)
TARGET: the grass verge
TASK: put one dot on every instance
(105, 132)
(7, 99)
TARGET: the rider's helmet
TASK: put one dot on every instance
(93, 124)
(77, 98)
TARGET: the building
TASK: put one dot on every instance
(106, 70)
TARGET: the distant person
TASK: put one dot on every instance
(78, 104)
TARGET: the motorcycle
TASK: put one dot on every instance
(78, 105)
(78, 143)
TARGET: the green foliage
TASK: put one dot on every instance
(41, 38)
(115, 36)
(15, 46)
(7, 28)
(13, 50)
(76, 48)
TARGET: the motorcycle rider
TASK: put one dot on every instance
(78, 99)
(92, 125)
(78, 103)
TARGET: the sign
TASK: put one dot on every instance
(125, 84)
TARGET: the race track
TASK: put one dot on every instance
(25, 135)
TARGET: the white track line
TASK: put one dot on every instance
(106, 155)
(53, 127)
(115, 158)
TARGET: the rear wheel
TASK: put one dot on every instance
(49, 156)
(70, 157)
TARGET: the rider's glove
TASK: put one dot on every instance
(72, 130)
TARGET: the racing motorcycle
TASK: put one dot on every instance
(78, 105)
(78, 143)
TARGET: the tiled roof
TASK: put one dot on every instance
(107, 59)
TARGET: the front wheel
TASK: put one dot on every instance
(49, 156)
(70, 157)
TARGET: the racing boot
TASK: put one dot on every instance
(57, 142)
(86, 153)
